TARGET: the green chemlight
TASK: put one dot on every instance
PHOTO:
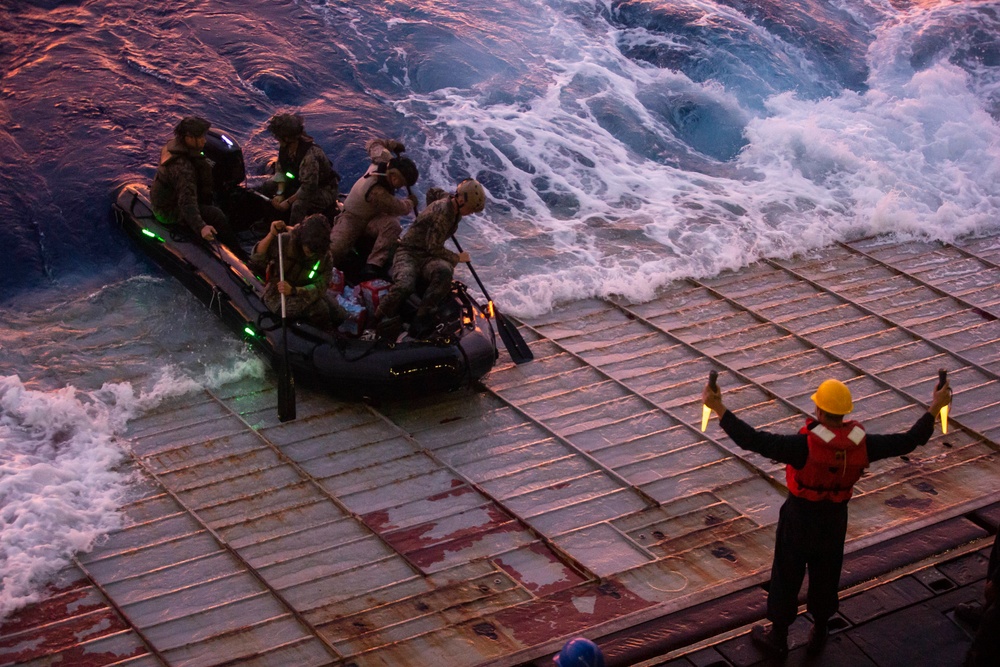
(153, 235)
(249, 331)
(312, 274)
(289, 175)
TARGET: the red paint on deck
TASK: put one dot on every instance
(60, 603)
(61, 635)
(549, 562)
(465, 524)
(381, 523)
(569, 612)
(430, 556)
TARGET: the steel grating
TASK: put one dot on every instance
(572, 494)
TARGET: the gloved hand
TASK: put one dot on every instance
(395, 146)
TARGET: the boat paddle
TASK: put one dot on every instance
(286, 383)
(706, 411)
(512, 338)
(942, 378)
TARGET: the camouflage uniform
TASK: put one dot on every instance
(182, 191)
(310, 300)
(421, 252)
(313, 178)
(370, 209)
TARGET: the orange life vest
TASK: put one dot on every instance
(837, 457)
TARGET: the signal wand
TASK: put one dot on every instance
(706, 411)
(942, 378)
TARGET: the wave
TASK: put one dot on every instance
(64, 469)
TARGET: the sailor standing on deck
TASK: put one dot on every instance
(823, 461)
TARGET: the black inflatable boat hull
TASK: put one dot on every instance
(346, 366)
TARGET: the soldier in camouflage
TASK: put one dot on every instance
(372, 209)
(421, 253)
(182, 188)
(307, 272)
(305, 181)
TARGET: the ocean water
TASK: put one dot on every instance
(624, 144)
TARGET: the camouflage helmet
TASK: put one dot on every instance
(407, 169)
(192, 126)
(474, 194)
(286, 125)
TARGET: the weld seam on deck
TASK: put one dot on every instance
(558, 551)
(916, 339)
(642, 396)
(309, 479)
(701, 355)
(250, 569)
(120, 612)
(923, 283)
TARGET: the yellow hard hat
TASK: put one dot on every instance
(833, 397)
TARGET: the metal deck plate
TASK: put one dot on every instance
(573, 494)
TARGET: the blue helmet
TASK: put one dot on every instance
(580, 652)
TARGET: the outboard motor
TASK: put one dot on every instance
(243, 207)
(228, 169)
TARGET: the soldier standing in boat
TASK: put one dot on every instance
(372, 208)
(421, 253)
(182, 188)
(823, 462)
(304, 180)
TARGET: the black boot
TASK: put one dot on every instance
(817, 639)
(772, 642)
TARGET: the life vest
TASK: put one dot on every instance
(300, 271)
(164, 190)
(290, 164)
(837, 457)
(378, 179)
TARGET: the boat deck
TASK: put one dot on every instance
(575, 494)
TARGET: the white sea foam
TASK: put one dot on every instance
(584, 205)
(62, 472)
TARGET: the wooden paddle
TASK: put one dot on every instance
(286, 383)
(512, 338)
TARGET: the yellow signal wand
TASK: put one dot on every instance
(942, 378)
(706, 411)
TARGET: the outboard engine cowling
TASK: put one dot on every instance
(228, 169)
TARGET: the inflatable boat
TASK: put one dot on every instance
(458, 351)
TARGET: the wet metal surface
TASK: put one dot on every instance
(572, 494)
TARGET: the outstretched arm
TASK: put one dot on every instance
(790, 449)
(898, 444)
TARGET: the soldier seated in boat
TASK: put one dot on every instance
(372, 209)
(182, 191)
(304, 181)
(306, 268)
(422, 254)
